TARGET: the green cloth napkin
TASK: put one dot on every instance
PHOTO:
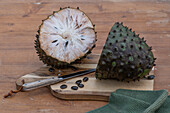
(136, 101)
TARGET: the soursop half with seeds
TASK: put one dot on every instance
(64, 37)
(125, 56)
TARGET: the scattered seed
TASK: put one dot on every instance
(150, 77)
(54, 41)
(55, 27)
(81, 85)
(82, 39)
(51, 69)
(63, 86)
(78, 82)
(66, 44)
(74, 88)
(57, 44)
(85, 79)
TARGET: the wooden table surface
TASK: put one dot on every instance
(19, 21)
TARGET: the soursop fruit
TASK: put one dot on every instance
(64, 37)
(125, 56)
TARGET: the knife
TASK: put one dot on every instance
(53, 80)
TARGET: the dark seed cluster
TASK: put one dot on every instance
(51, 70)
(78, 83)
(125, 56)
(150, 77)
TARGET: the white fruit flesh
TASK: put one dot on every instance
(67, 35)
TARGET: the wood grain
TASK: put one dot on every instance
(19, 21)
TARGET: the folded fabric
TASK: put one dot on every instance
(135, 101)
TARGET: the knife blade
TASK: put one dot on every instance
(53, 80)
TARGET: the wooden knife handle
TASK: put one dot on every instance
(40, 83)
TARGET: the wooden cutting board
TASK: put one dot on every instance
(93, 89)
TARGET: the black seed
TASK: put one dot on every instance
(120, 30)
(127, 34)
(93, 25)
(82, 39)
(68, 6)
(130, 29)
(57, 44)
(80, 85)
(121, 23)
(155, 58)
(63, 86)
(74, 88)
(114, 31)
(134, 35)
(54, 41)
(116, 41)
(150, 77)
(154, 64)
(122, 46)
(146, 57)
(66, 43)
(117, 26)
(120, 34)
(77, 7)
(51, 69)
(109, 33)
(129, 55)
(131, 46)
(61, 8)
(113, 37)
(143, 38)
(131, 39)
(117, 22)
(124, 40)
(110, 44)
(85, 79)
(78, 82)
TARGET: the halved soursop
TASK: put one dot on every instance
(125, 56)
(64, 37)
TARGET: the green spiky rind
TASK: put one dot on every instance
(125, 56)
(50, 61)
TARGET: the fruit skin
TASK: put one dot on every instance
(50, 61)
(125, 56)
